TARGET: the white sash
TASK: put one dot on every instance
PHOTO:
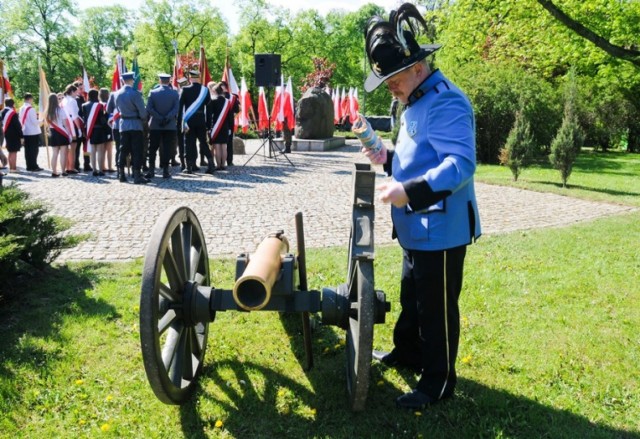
(221, 118)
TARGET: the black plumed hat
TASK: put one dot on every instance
(391, 45)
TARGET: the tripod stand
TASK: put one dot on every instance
(268, 142)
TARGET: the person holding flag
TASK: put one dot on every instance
(191, 111)
(31, 131)
(130, 105)
(218, 110)
(95, 119)
(162, 106)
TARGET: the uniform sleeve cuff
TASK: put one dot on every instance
(421, 195)
(386, 167)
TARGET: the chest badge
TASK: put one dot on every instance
(412, 128)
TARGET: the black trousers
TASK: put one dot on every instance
(31, 145)
(116, 142)
(165, 141)
(230, 150)
(131, 142)
(181, 152)
(428, 329)
(199, 134)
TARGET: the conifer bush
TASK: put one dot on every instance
(30, 238)
(517, 150)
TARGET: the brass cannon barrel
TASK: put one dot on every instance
(252, 290)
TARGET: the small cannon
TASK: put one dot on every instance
(177, 302)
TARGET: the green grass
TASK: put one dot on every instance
(550, 345)
(612, 176)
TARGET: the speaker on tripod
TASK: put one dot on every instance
(267, 69)
(267, 74)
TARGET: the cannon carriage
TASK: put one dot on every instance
(178, 303)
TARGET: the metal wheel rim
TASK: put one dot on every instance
(173, 349)
(359, 343)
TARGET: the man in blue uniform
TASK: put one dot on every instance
(193, 101)
(130, 105)
(434, 209)
(162, 106)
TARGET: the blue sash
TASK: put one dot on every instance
(190, 111)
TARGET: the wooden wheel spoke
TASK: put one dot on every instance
(173, 273)
(165, 322)
(167, 293)
(170, 346)
(187, 237)
(177, 250)
(196, 254)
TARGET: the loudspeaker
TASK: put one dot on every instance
(267, 69)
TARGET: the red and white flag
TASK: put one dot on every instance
(344, 105)
(354, 105)
(335, 97)
(116, 80)
(205, 75)
(287, 106)
(178, 72)
(5, 85)
(234, 91)
(277, 115)
(263, 110)
(245, 106)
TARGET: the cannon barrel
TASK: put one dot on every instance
(252, 290)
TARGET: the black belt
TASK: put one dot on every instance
(130, 118)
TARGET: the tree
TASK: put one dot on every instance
(569, 139)
(517, 150)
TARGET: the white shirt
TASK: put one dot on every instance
(30, 124)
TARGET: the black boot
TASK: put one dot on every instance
(138, 178)
(210, 170)
(150, 173)
(188, 169)
(165, 172)
(121, 176)
(87, 164)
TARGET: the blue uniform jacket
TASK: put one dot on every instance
(131, 106)
(435, 159)
(162, 106)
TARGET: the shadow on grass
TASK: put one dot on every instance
(588, 189)
(475, 411)
(259, 402)
(36, 307)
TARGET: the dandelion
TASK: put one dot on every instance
(109, 398)
(281, 393)
(418, 413)
(82, 422)
(105, 427)
(466, 360)
(136, 308)
(219, 423)
(313, 412)
(79, 382)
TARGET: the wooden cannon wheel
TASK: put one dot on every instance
(172, 336)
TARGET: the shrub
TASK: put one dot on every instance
(29, 236)
(495, 91)
(517, 149)
(570, 137)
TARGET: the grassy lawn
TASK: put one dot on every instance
(612, 176)
(550, 345)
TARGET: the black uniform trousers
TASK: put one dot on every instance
(31, 145)
(116, 141)
(199, 134)
(230, 149)
(131, 142)
(428, 329)
(164, 140)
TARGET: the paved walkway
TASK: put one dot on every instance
(240, 206)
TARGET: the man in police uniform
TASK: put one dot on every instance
(434, 208)
(182, 82)
(193, 100)
(132, 111)
(162, 106)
